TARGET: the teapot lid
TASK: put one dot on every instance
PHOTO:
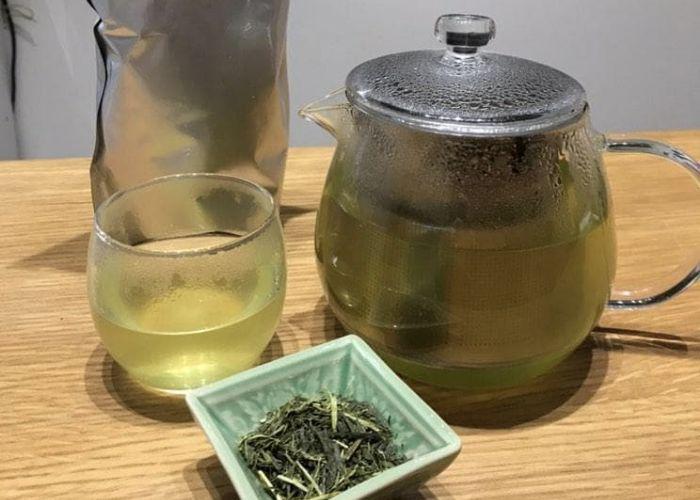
(461, 91)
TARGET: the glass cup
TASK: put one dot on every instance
(186, 278)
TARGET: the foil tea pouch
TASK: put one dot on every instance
(190, 87)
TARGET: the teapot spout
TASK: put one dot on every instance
(330, 112)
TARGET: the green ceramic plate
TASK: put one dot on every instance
(233, 407)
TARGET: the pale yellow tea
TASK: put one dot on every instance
(187, 334)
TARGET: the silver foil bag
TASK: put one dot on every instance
(190, 86)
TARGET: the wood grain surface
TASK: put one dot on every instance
(619, 419)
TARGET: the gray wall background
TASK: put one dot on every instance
(638, 59)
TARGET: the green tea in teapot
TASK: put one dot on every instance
(436, 306)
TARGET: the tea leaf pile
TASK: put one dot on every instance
(316, 448)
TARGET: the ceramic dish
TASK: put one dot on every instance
(233, 407)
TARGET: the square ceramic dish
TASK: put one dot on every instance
(233, 407)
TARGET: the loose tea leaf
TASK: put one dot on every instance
(316, 448)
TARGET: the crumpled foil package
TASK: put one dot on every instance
(190, 86)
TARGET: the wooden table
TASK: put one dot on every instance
(620, 418)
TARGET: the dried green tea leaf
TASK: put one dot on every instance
(316, 448)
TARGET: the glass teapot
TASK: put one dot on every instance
(465, 229)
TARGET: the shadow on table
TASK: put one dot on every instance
(656, 343)
(289, 212)
(69, 255)
(116, 394)
(207, 477)
(430, 491)
(545, 399)
(318, 323)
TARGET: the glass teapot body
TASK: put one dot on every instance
(465, 229)
(466, 261)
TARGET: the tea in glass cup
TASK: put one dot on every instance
(186, 278)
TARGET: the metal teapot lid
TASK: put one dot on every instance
(462, 91)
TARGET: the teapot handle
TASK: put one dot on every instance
(680, 158)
